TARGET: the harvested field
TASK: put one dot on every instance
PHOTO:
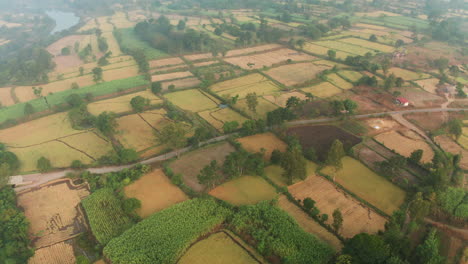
(90, 24)
(357, 218)
(330, 64)
(339, 82)
(345, 47)
(463, 141)
(121, 104)
(253, 83)
(112, 42)
(366, 184)
(429, 85)
(244, 190)
(60, 253)
(69, 41)
(405, 142)
(448, 145)
(406, 74)
(165, 62)
(320, 50)
(54, 220)
(261, 111)
(218, 117)
(282, 99)
(190, 164)
(5, 97)
(267, 59)
(260, 48)
(205, 63)
(181, 84)
(170, 76)
(196, 57)
(368, 44)
(323, 90)
(376, 14)
(353, 76)
(192, 100)
(321, 138)
(267, 141)
(91, 143)
(308, 224)
(431, 121)
(155, 191)
(303, 72)
(217, 248)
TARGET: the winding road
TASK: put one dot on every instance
(36, 179)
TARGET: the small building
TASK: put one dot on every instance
(402, 101)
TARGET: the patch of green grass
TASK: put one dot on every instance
(130, 41)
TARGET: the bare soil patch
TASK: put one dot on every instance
(405, 142)
(170, 76)
(165, 62)
(449, 145)
(267, 142)
(5, 97)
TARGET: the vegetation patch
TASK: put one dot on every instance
(128, 40)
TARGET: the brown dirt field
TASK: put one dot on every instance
(357, 218)
(165, 62)
(190, 164)
(268, 59)
(447, 144)
(381, 125)
(383, 99)
(53, 212)
(366, 105)
(308, 224)
(56, 48)
(135, 133)
(195, 57)
(60, 253)
(121, 73)
(404, 142)
(428, 121)
(260, 48)
(170, 76)
(267, 141)
(180, 84)
(205, 63)
(63, 63)
(421, 98)
(302, 73)
(155, 191)
(5, 97)
(282, 99)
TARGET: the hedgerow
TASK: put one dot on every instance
(276, 233)
(164, 236)
(105, 214)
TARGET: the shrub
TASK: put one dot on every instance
(43, 164)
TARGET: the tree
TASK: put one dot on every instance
(66, 51)
(373, 38)
(389, 82)
(276, 157)
(75, 86)
(209, 175)
(399, 82)
(252, 102)
(106, 123)
(81, 71)
(399, 43)
(335, 154)
(75, 100)
(344, 259)
(218, 31)
(311, 154)
(241, 162)
(419, 207)
(416, 156)
(37, 91)
(460, 92)
(293, 102)
(173, 135)
(331, 54)
(43, 164)
(129, 205)
(337, 220)
(300, 43)
(441, 64)
(156, 87)
(386, 63)
(294, 163)
(28, 109)
(350, 106)
(181, 25)
(367, 249)
(139, 103)
(97, 74)
(201, 134)
(455, 128)
(308, 203)
(230, 126)
(428, 252)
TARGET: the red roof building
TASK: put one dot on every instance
(402, 101)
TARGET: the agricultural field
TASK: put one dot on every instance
(323, 90)
(405, 143)
(219, 116)
(267, 59)
(5, 96)
(255, 49)
(181, 83)
(155, 192)
(339, 82)
(320, 50)
(253, 83)
(130, 41)
(308, 224)
(119, 20)
(192, 100)
(162, 63)
(342, 46)
(421, 98)
(449, 145)
(196, 57)
(368, 44)
(267, 142)
(282, 99)
(357, 218)
(429, 85)
(54, 220)
(244, 190)
(353, 76)
(218, 246)
(60, 253)
(170, 76)
(303, 72)
(264, 106)
(406, 74)
(366, 184)
(121, 104)
(275, 173)
(190, 164)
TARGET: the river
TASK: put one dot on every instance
(63, 20)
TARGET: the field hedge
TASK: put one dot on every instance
(105, 214)
(165, 236)
(277, 233)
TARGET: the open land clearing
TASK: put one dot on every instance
(219, 116)
(447, 144)
(121, 104)
(267, 59)
(357, 218)
(308, 224)
(60, 253)
(303, 72)
(366, 184)
(155, 191)
(217, 248)
(190, 164)
(323, 90)
(405, 143)
(5, 96)
(53, 211)
(282, 99)
(244, 190)
(253, 83)
(267, 142)
(192, 100)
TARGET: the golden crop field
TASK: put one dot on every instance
(170, 76)
(303, 72)
(121, 104)
(267, 141)
(192, 100)
(156, 193)
(368, 44)
(90, 143)
(317, 49)
(253, 83)
(341, 46)
(267, 59)
(218, 117)
(261, 48)
(323, 90)
(112, 42)
(406, 74)
(165, 62)
(405, 144)
(339, 82)
(282, 98)
(264, 106)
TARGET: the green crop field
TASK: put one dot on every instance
(130, 41)
(192, 100)
(368, 185)
(368, 44)
(105, 215)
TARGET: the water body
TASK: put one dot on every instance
(63, 20)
